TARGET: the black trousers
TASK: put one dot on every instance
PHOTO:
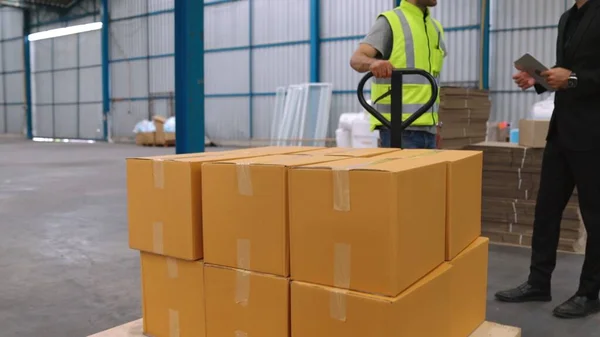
(562, 171)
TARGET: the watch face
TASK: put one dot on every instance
(572, 82)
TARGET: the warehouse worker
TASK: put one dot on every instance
(405, 37)
(571, 159)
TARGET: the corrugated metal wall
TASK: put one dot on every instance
(12, 85)
(520, 27)
(66, 76)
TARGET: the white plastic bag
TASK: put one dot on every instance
(170, 125)
(144, 126)
(543, 110)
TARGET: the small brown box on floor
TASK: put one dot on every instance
(164, 196)
(172, 296)
(159, 134)
(242, 303)
(366, 224)
(245, 211)
(532, 133)
(468, 291)
(144, 138)
(420, 311)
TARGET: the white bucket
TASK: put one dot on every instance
(343, 138)
(362, 136)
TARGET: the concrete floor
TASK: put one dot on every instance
(66, 270)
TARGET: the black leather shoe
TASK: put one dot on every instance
(577, 307)
(524, 293)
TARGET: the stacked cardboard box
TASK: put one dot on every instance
(464, 113)
(158, 137)
(511, 179)
(316, 243)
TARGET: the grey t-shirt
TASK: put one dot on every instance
(381, 38)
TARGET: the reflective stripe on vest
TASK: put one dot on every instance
(416, 89)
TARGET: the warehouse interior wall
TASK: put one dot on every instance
(252, 47)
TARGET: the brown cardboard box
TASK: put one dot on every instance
(169, 137)
(164, 196)
(245, 212)
(144, 138)
(351, 152)
(532, 133)
(468, 293)
(241, 303)
(159, 134)
(420, 311)
(172, 296)
(463, 191)
(366, 224)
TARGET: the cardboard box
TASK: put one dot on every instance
(532, 133)
(144, 138)
(468, 293)
(245, 212)
(241, 303)
(366, 224)
(170, 137)
(159, 134)
(164, 196)
(463, 194)
(351, 152)
(172, 296)
(420, 311)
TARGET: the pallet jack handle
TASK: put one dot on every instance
(396, 125)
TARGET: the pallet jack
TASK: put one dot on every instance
(396, 125)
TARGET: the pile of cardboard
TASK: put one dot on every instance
(307, 242)
(464, 113)
(158, 137)
(511, 180)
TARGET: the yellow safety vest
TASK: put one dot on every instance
(418, 43)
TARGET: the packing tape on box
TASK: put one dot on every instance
(174, 330)
(158, 172)
(242, 287)
(337, 304)
(172, 268)
(243, 254)
(158, 245)
(239, 333)
(244, 179)
(341, 265)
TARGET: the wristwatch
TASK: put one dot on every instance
(572, 83)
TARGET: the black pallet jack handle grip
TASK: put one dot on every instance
(396, 93)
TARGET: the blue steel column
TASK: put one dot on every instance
(485, 44)
(315, 40)
(397, 2)
(27, 65)
(105, 68)
(189, 75)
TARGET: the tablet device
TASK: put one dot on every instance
(534, 68)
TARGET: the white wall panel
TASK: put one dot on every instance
(126, 8)
(280, 66)
(90, 48)
(41, 55)
(280, 21)
(1, 91)
(162, 74)
(15, 88)
(65, 52)
(90, 84)
(226, 25)
(227, 118)
(350, 17)
(160, 5)
(129, 79)
(462, 64)
(84, 20)
(129, 38)
(15, 119)
(65, 121)
(335, 65)
(3, 117)
(90, 121)
(509, 14)
(458, 13)
(11, 23)
(162, 33)
(43, 125)
(226, 72)
(42, 88)
(262, 115)
(13, 55)
(125, 115)
(65, 86)
(1, 57)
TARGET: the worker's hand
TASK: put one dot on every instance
(524, 80)
(558, 78)
(381, 69)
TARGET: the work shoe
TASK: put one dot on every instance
(524, 293)
(577, 307)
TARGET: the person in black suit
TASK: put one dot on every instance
(571, 159)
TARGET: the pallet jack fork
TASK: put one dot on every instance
(396, 125)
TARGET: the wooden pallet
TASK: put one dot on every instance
(487, 329)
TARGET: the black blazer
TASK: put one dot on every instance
(575, 123)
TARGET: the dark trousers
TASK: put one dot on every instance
(562, 171)
(410, 139)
